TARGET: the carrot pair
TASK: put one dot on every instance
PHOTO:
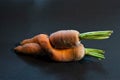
(63, 45)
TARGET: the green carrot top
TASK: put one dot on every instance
(96, 35)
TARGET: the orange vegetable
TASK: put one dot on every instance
(71, 54)
(74, 53)
(64, 39)
(63, 45)
(29, 48)
(69, 38)
(35, 39)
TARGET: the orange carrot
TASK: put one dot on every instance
(34, 39)
(29, 48)
(69, 38)
(64, 39)
(63, 45)
(71, 54)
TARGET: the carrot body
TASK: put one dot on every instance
(74, 53)
(35, 39)
(29, 48)
(43, 43)
(63, 45)
(64, 39)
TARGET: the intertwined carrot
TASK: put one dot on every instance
(63, 45)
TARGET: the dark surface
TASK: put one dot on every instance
(20, 19)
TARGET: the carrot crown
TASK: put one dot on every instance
(97, 53)
(96, 35)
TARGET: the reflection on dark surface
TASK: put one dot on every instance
(77, 70)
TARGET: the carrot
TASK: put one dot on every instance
(69, 38)
(62, 55)
(71, 54)
(63, 45)
(29, 48)
(64, 39)
(34, 39)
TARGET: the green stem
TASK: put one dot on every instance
(97, 35)
(97, 53)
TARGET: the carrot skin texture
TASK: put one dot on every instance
(64, 39)
(26, 41)
(64, 45)
(29, 48)
(34, 39)
(63, 55)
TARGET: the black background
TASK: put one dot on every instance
(20, 19)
